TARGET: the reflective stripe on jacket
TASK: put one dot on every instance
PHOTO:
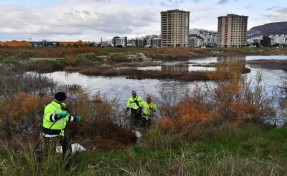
(50, 123)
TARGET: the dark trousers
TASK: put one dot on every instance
(147, 120)
(50, 145)
(136, 118)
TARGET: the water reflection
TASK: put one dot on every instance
(182, 68)
(174, 69)
(272, 57)
(225, 59)
(116, 87)
(120, 87)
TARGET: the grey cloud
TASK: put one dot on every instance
(284, 10)
(86, 12)
(119, 30)
(72, 20)
(121, 22)
(271, 8)
(222, 2)
(164, 4)
(171, 3)
(33, 21)
(277, 15)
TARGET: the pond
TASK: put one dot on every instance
(120, 87)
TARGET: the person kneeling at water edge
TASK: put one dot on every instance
(55, 119)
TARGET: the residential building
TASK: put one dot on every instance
(275, 40)
(202, 37)
(278, 39)
(195, 42)
(232, 31)
(140, 42)
(119, 41)
(131, 43)
(174, 28)
(155, 43)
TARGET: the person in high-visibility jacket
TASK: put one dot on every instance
(149, 108)
(55, 120)
(135, 104)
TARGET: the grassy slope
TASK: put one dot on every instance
(228, 150)
(250, 150)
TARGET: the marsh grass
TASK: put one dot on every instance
(45, 66)
(131, 73)
(226, 150)
(217, 154)
(130, 70)
(74, 58)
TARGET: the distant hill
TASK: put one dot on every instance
(279, 28)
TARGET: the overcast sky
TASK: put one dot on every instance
(91, 20)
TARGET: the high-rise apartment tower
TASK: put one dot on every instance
(232, 31)
(174, 28)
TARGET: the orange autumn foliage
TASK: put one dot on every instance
(191, 114)
(219, 74)
(79, 43)
(228, 100)
(166, 123)
(15, 44)
(233, 103)
(22, 107)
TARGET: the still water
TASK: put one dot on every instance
(120, 87)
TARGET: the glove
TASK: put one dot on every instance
(78, 118)
(62, 115)
(147, 118)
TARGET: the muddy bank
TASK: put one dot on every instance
(269, 64)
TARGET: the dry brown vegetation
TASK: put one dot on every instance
(141, 74)
(128, 70)
(27, 44)
(15, 44)
(150, 52)
(22, 102)
(83, 56)
(23, 98)
(231, 100)
(28, 52)
(269, 64)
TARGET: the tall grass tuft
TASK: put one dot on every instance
(24, 162)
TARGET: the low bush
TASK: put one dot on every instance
(77, 61)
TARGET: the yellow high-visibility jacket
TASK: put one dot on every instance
(51, 126)
(149, 108)
(135, 102)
